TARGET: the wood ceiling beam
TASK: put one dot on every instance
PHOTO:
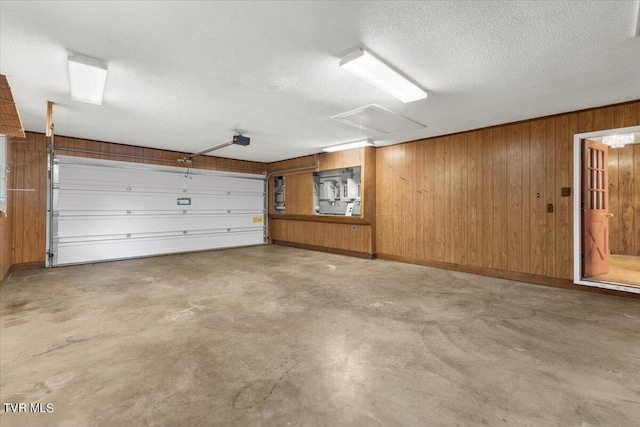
(10, 123)
(49, 119)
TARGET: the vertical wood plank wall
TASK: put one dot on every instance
(65, 146)
(6, 223)
(311, 231)
(477, 201)
(28, 209)
(624, 200)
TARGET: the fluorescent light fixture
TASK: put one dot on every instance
(638, 23)
(349, 146)
(369, 68)
(618, 141)
(87, 77)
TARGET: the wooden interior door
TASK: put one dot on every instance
(595, 206)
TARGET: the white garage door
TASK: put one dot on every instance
(106, 210)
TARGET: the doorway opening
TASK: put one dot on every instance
(607, 209)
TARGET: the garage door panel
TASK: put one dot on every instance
(161, 190)
(101, 175)
(129, 201)
(105, 210)
(154, 234)
(92, 251)
(77, 225)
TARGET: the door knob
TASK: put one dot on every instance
(609, 215)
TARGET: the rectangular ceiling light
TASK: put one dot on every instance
(349, 146)
(87, 77)
(638, 23)
(366, 66)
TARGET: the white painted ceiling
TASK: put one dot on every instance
(183, 75)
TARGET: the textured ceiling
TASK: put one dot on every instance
(183, 75)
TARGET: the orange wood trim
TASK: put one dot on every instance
(300, 172)
(321, 218)
(296, 162)
(49, 119)
(510, 275)
(345, 252)
(27, 266)
(5, 277)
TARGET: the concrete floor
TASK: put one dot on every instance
(281, 336)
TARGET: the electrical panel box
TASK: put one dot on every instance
(328, 191)
(353, 189)
(337, 192)
(279, 194)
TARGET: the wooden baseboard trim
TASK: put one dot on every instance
(510, 275)
(6, 276)
(28, 266)
(346, 252)
(334, 219)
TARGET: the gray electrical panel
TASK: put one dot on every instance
(278, 194)
(337, 192)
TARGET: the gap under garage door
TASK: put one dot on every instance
(107, 210)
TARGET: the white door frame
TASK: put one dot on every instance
(577, 208)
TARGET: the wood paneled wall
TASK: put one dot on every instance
(29, 208)
(6, 222)
(128, 153)
(624, 200)
(477, 201)
(28, 213)
(301, 227)
(344, 238)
